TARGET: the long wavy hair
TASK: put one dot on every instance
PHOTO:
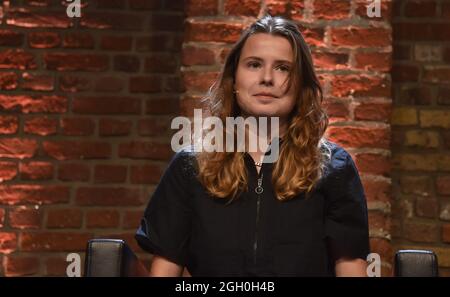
(303, 150)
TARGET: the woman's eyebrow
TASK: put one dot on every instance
(260, 59)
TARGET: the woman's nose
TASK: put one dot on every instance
(267, 76)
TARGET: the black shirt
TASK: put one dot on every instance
(257, 235)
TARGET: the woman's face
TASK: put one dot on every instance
(262, 77)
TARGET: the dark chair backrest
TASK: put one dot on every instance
(111, 257)
(418, 263)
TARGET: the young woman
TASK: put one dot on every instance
(228, 213)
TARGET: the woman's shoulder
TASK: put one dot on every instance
(184, 160)
(338, 157)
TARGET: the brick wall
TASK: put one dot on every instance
(421, 123)
(86, 103)
(85, 110)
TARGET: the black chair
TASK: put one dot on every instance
(113, 257)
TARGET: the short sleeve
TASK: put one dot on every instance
(346, 221)
(166, 224)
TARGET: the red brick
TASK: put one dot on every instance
(415, 95)
(421, 232)
(382, 247)
(360, 85)
(8, 171)
(419, 31)
(401, 52)
(417, 185)
(110, 173)
(36, 170)
(80, 40)
(43, 39)
(436, 75)
(54, 241)
(73, 172)
(19, 148)
(445, 9)
(145, 150)
(145, 84)
(188, 103)
(111, 4)
(37, 82)
(101, 196)
(66, 150)
(33, 194)
(199, 81)
(41, 126)
(373, 112)
(360, 37)
(146, 174)
(77, 126)
(159, 106)
(32, 104)
(417, 8)
(281, 8)
(126, 63)
(373, 61)
(114, 127)
(331, 9)
(379, 221)
(64, 218)
(443, 97)
(10, 38)
(156, 42)
(8, 124)
(8, 80)
(38, 19)
(173, 85)
(20, 265)
(443, 185)
(201, 7)
(212, 31)
(75, 62)
(2, 217)
(373, 164)
(73, 83)
(132, 219)
(108, 20)
(17, 59)
(167, 22)
(109, 84)
(39, 3)
(154, 126)
(116, 43)
(160, 63)
(56, 266)
(102, 219)
(8, 242)
(446, 233)
(107, 105)
(314, 36)
(145, 4)
(375, 137)
(242, 8)
(427, 207)
(330, 61)
(377, 191)
(336, 108)
(23, 217)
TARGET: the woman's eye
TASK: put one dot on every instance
(253, 64)
(283, 68)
